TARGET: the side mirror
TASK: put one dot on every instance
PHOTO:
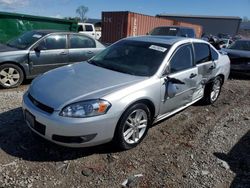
(39, 48)
(171, 90)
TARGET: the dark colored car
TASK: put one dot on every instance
(36, 52)
(173, 31)
(239, 54)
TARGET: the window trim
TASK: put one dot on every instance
(171, 57)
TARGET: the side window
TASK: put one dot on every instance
(182, 59)
(214, 54)
(54, 42)
(80, 41)
(80, 28)
(202, 53)
(88, 28)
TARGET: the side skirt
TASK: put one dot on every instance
(163, 116)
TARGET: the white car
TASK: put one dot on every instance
(121, 91)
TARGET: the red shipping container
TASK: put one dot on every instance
(118, 25)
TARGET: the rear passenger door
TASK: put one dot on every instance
(204, 62)
(81, 48)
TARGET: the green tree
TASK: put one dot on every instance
(245, 19)
(81, 11)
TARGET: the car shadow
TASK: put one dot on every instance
(239, 161)
(16, 139)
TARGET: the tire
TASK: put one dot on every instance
(212, 91)
(10, 76)
(129, 125)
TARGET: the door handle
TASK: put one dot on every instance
(63, 53)
(192, 75)
(212, 67)
(90, 52)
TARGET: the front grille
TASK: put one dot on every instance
(40, 105)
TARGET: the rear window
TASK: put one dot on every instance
(169, 31)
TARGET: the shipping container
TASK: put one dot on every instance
(118, 25)
(12, 24)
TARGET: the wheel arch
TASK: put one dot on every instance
(17, 64)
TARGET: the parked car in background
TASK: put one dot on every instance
(121, 91)
(36, 52)
(225, 42)
(239, 54)
(173, 31)
(89, 29)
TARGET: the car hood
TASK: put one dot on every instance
(77, 82)
(5, 48)
(237, 53)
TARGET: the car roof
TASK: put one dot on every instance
(175, 26)
(170, 40)
(49, 31)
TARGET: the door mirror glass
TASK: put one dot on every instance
(171, 90)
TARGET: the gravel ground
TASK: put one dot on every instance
(202, 146)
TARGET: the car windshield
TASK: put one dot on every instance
(168, 31)
(132, 57)
(240, 45)
(26, 40)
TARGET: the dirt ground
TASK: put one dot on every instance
(202, 146)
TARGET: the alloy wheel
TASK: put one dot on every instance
(9, 76)
(135, 126)
(215, 90)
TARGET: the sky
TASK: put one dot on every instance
(66, 8)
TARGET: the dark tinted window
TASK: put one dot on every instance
(214, 54)
(202, 53)
(80, 28)
(26, 40)
(88, 28)
(132, 57)
(80, 41)
(240, 45)
(169, 31)
(182, 59)
(54, 42)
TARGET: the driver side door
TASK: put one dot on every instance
(52, 53)
(181, 68)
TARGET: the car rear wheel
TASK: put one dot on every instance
(133, 126)
(10, 76)
(212, 91)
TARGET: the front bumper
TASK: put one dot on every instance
(67, 131)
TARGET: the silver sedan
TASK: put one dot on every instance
(118, 94)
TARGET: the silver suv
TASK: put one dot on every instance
(120, 92)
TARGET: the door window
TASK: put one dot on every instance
(182, 59)
(202, 53)
(80, 41)
(54, 42)
(88, 28)
(214, 54)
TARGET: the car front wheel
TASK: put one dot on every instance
(133, 126)
(10, 76)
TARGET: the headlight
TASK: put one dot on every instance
(87, 108)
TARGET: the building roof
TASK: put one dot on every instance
(199, 16)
